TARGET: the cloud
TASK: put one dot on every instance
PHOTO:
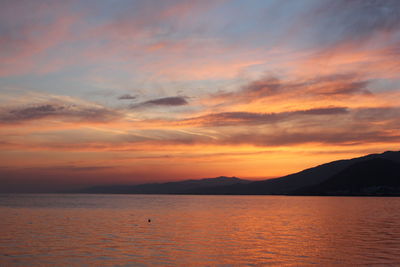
(245, 118)
(168, 101)
(269, 87)
(357, 19)
(27, 38)
(260, 88)
(263, 87)
(342, 85)
(78, 168)
(282, 138)
(342, 127)
(127, 97)
(165, 101)
(337, 126)
(64, 111)
(322, 111)
(379, 114)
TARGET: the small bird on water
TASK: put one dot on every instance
(148, 220)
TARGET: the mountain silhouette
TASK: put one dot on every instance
(180, 187)
(290, 184)
(374, 174)
(371, 177)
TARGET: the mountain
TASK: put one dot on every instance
(376, 176)
(289, 184)
(165, 188)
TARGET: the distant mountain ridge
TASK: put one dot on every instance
(379, 168)
(180, 187)
(290, 184)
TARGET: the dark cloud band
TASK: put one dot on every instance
(165, 101)
(57, 110)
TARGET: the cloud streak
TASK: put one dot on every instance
(357, 20)
(165, 101)
(127, 97)
(251, 118)
(58, 110)
(342, 138)
(268, 88)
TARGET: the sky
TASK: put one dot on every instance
(133, 91)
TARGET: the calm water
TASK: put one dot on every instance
(198, 230)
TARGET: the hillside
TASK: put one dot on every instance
(351, 176)
(371, 177)
(292, 183)
(165, 188)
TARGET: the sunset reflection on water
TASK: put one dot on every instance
(197, 230)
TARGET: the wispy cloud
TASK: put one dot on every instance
(357, 20)
(268, 87)
(343, 138)
(57, 109)
(165, 101)
(251, 118)
(127, 97)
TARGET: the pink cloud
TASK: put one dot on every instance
(22, 53)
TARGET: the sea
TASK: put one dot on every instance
(187, 230)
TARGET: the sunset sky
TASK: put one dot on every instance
(126, 92)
